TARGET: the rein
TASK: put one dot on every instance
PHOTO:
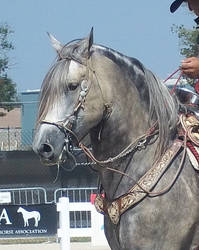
(146, 183)
(139, 144)
(170, 76)
(66, 126)
(120, 205)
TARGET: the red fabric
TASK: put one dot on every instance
(93, 196)
(197, 87)
(193, 150)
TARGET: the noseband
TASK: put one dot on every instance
(66, 125)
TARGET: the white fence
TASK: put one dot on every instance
(84, 221)
(96, 231)
(81, 207)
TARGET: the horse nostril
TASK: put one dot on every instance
(46, 150)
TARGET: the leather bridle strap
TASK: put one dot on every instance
(138, 144)
(117, 207)
(62, 126)
(66, 124)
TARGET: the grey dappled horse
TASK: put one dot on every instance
(92, 89)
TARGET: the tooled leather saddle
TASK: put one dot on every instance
(190, 122)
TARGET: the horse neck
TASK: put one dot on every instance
(116, 135)
(129, 118)
(128, 121)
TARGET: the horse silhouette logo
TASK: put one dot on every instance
(29, 215)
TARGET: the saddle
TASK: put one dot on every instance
(190, 126)
(190, 122)
(189, 99)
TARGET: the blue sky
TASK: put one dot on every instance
(140, 29)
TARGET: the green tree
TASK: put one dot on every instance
(187, 42)
(8, 91)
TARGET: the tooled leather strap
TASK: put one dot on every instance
(190, 125)
(136, 193)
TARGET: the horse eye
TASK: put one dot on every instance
(72, 86)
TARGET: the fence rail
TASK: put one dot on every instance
(75, 194)
(84, 221)
(95, 231)
(24, 196)
(80, 215)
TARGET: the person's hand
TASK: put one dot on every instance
(190, 67)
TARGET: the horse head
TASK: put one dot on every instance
(64, 113)
(19, 210)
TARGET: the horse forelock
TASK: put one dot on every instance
(54, 83)
(53, 87)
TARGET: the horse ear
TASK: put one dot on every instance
(90, 39)
(55, 43)
(88, 43)
(83, 50)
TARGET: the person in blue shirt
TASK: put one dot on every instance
(189, 66)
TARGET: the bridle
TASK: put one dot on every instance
(67, 124)
(66, 127)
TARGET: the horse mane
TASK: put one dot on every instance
(162, 106)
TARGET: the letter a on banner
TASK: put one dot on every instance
(4, 216)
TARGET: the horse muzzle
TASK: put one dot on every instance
(46, 153)
(49, 157)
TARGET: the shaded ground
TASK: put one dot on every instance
(51, 246)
